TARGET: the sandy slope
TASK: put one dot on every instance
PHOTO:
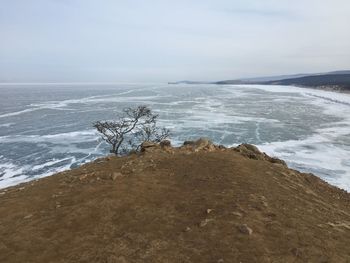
(200, 203)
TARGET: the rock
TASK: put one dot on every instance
(199, 145)
(28, 216)
(250, 147)
(252, 152)
(209, 211)
(275, 160)
(210, 148)
(58, 204)
(202, 143)
(115, 175)
(205, 222)
(237, 214)
(264, 203)
(126, 169)
(188, 143)
(222, 147)
(147, 145)
(165, 143)
(187, 229)
(244, 229)
(220, 260)
(82, 177)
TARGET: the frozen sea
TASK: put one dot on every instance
(46, 128)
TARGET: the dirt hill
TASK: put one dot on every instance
(196, 203)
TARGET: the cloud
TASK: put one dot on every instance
(132, 40)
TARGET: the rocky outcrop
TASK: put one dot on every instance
(147, 145)
(252, 152)
(203, 144)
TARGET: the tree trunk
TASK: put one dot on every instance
(118, 145)
(113, 149)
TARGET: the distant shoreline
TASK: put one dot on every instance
(337, 81)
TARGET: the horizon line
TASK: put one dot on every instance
(74, 83)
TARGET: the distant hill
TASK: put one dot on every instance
(338, 72)
(332, 81)
(280, 77)
(336, 80)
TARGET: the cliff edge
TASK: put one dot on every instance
(196, 203)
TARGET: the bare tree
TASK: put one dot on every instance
(131, 129)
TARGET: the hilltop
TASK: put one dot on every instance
(196, 203)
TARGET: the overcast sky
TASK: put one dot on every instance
(160, 40)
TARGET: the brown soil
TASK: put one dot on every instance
(198, 203)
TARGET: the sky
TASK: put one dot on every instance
(160, 41)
